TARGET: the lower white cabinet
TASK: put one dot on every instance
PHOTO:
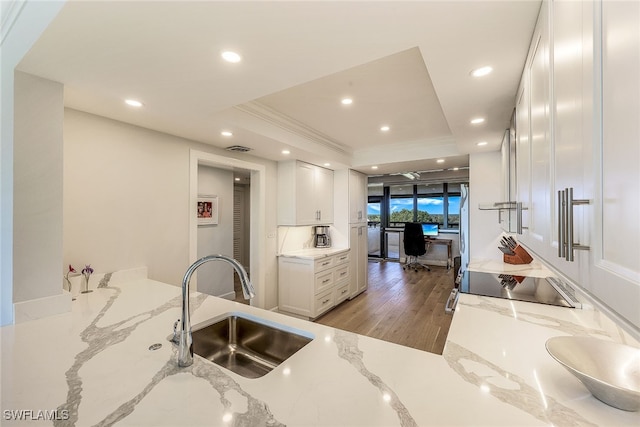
(310, 287)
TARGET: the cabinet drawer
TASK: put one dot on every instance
(324, 302)
(342, 258)
(341, 274)
(324, 263)
(342, 293)
(324, 281)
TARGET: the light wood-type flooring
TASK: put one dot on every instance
(403, 307)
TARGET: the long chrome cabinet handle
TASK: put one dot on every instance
(519, 217)
(568, 244)
(561, 223)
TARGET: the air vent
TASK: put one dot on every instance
(238, 148)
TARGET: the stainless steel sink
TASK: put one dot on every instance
(247, 345)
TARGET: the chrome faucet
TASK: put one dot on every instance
(185, 350)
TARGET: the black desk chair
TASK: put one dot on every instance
(414, 246)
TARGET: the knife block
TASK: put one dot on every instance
(521, 256)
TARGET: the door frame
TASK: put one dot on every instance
(257, 233)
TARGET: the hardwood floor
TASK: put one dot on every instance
(403, 307)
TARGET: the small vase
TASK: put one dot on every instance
(85, 285)
(69, 288)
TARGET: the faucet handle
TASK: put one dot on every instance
(174, 339)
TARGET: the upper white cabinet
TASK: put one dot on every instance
(614, 173)
(350, 189)
(577, 147)
(305, 194)
(357, 197)
(572, 97)
(539, 135)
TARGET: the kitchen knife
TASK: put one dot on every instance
(507, 243)
(506, 250)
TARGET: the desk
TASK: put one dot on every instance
(432, 241)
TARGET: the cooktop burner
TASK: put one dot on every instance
(548, 290)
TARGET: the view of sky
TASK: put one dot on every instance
(433, 205)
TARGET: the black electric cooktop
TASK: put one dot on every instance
(549, 290)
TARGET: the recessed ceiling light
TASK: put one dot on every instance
(327, 164)
(286, 152)
(482, 71)
(374, 167)
(230, 56)
(477, 121)
(237, 179)
(482, 143)
(133, 103)
(226, 133)
(346, 101)
(385, 128)
(440, 161)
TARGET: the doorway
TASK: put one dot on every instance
(256, 215)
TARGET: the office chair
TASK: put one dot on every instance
(414, 246)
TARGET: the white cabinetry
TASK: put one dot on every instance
(614, 175)
(538, 200)
(351, 192)
(309, 287)
(359, 259)
(577, 129)
(572, 109)
(357, 197)
(305, 194)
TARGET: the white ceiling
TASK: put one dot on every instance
(405, 64)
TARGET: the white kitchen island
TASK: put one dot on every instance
(93, 366)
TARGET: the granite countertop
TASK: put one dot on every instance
(93, 366)
(533, 269)
(313, 253)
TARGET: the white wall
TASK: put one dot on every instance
(37, 209)
(22, 25)
(485, 185)
(216, 278)
(126, 201)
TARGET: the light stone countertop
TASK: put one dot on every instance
(534, 269)
(94, 367)
(313, 253)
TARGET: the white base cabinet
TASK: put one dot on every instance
(310, 287)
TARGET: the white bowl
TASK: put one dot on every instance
(610, 371)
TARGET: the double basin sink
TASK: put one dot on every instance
(247, 345)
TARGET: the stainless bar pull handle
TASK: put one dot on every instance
(561, 223)
(570, 203)
(519, 217)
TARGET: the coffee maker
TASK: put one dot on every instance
(321, 236)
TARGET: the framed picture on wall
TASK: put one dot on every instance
(207, 210)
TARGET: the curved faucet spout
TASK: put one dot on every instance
(185, 350)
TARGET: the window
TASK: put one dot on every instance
(431, 203)
(438, 203)
(373, 212)
(401, 204)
